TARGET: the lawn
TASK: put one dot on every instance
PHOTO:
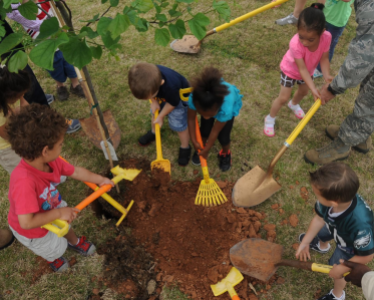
(249, 55)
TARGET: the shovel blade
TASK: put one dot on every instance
(256, 258)
(127, 174)
(254, 188)
(92, 131)
(232, 279)
(163, 164)
(187, 44)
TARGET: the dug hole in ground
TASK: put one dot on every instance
(166, 240)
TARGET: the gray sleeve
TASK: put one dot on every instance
(367, 283)
(360, 59)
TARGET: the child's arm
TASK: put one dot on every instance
(168, 108)
(83, 174)
(325, 67)
(307, 78)
(191, 116)
(217, 127)
(315, 226)
(30, 221)
(338, 271)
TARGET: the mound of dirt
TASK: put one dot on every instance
(190, 244)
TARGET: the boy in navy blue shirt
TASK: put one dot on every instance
(161, 85)
(342, 215)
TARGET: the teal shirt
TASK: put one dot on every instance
(232, 103)
(337, 12)
(353, 228)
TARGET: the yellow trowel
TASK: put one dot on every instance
(227, 284)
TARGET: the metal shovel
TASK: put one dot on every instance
(190, 44)
(257, 185)
(260, 259)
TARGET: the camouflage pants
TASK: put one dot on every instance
(359, 125)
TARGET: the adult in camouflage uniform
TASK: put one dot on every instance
(358, 67)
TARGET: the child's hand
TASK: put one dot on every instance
(197, 146)
(154, 106)
(328, 78)
(159, 120)
(68, 213)
(316, 94)
(106, 181)
(337, 271)
(302, 252)
(204, 153)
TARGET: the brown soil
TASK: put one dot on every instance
(190, 244)
(304, 193)
(293, 220)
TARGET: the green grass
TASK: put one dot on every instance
(249, 55)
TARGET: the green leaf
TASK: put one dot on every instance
(104, 1)
(48, 28)
(102, 26)
(7, 3)
(223, 9)
(18, 61)
(76, 52)
(161, 17)
(4, 11)
(43, 53)
(197, 27)
(119, 25)
(142, 5)
(29, 10)
(108, 41)
(94, 19)
(114, 3)
(164, 4)
(96, 52)
(175, 6)
(186, 1)
(2, 29)
(173, 13)
(90, 33)
(162, 37)
(10, 42)
(178, 29)
(202, 19)
(158, 8)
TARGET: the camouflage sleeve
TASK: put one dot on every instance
(360, 59)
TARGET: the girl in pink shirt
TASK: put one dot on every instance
(308, 47)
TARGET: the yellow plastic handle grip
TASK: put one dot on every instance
(59, 227)
(248, 15)
(323, 269)
(158, 138)
(185, 91)
(303, 122)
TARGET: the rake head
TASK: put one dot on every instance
(209, 194)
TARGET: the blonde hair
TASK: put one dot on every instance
(144, 80)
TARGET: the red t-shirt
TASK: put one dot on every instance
(33, 191)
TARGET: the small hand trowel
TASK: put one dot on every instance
(227, 284)
(260, 259)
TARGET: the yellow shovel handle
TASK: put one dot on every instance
(185, 91)
(248, 15)
(323, 269)
(61, 229)
(303, 122)
(158, 138)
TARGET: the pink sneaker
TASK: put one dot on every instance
(269, 128)
(299, 113)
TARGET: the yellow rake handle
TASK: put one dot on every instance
(248, 15)
(185, 91)
(323, 268)
(158, 138)
(303, 122)
(204, 165)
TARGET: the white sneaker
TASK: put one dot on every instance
(289, 20)
(317, 74)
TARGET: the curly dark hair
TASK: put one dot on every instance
(11, 86)
(208, 89)
(35, 127)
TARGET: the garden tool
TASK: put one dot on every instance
(260, 259)
(227, 284)
(113, 202)
(190, 44)
(185, 91)
(160, 162)
(209, 193)
(257, 185)
(61, 227)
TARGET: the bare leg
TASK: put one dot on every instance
(299, 6)
(339, 285)
(184, 138)
(323, 245)
(284, 96)
(71, 237)
(301, 92)
(74, 82)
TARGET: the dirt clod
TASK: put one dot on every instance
(293, 220)
(304, 193)
(275, 206)
(295, 246)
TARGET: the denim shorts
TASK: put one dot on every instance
(177, 117)
(340, 252)
(61, 68)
